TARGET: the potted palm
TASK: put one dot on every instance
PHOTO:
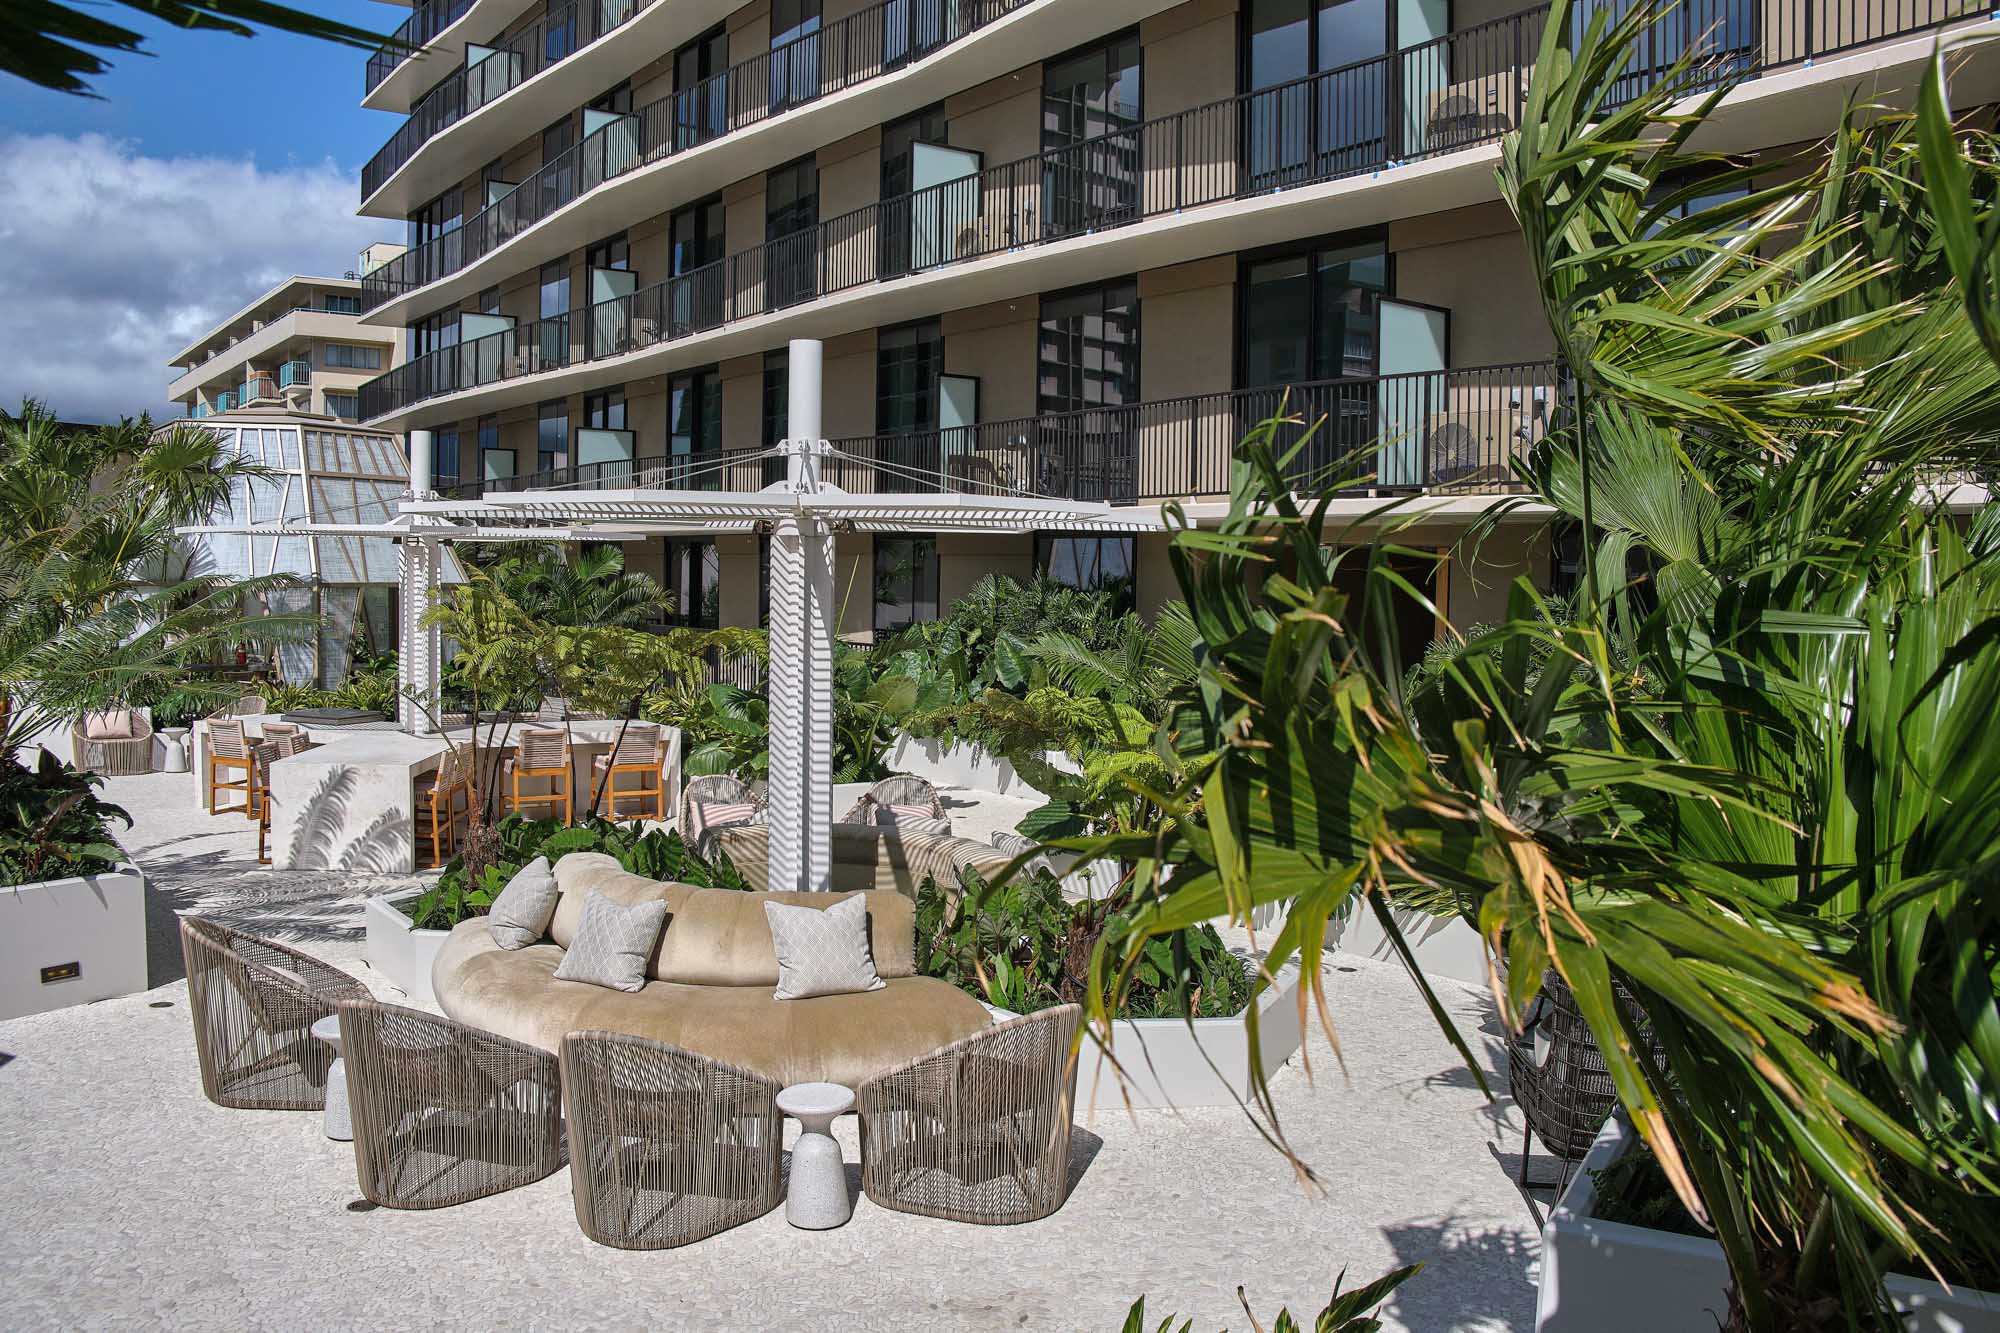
(1748, 777)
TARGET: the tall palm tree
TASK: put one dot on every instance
(1749, 778)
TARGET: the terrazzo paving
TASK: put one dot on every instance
(131, 1202)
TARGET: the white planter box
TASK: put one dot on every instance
(1165, 1065)
(963, 764)
(1444, 945)
(397, 949)
(94, 925)
(1607, 1275)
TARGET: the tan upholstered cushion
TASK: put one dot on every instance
(836, 1038)
(520, 915)
(113, 724)
(719, 937)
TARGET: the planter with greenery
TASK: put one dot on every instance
(72, 909)
(1182, 1037)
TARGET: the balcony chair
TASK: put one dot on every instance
(253, 1002)
(641, 752)
(666, 1147)
(540, 754)
(900, 800)
(445, 1113)
(712, 802)
(979, 1130)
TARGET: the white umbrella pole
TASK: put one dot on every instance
(803, 623)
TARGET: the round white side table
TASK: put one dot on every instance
(816, 1198)
(170, 750)
(339, 1125)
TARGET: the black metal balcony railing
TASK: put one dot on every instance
(1434, 431)
(1444, 96)
(549, 40)
(883, 37)
(423, 25)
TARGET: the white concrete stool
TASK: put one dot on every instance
(816, 1198)
(170, 750)
(339, 1125)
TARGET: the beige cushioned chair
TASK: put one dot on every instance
(711, 983)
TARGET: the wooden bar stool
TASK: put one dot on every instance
(541, 754)
(228, 749)
(440, 797)
(639, 752)
(262, 753)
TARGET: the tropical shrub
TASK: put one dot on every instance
(52, 823)
(371, 684)
(657, 854)
(1350, 1313)
(1019, 944)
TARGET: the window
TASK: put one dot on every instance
(926, 126)
(444, 456)
(776, 410)
(695, 236)
(1086, 96)
(335, 304)
(1312, 315)
(555, 289)
(558, 169)
(346, 406)
(906, 582)
(604, 411)
(558, 31)
(442, 214)
(794, 53)
(433, 333)
(552, 437)
(493, 460)
(347, 356)
(701, 89)
(611, 252)
(791, 210)
(1093, 563)
(489, 301)
(694, 424)
(908, 361)
(1089, 348)
(694, 577)
(1332, 124)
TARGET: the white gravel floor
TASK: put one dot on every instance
(128, 1201)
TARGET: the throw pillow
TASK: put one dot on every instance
(822, 952)
(897, 814)
(114, 724)
(911, 819)
(613, 942)
(705, 815)
(520, 915)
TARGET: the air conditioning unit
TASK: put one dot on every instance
(1475, 110)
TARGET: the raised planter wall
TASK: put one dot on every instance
(1599, 1275)
(1444, 945)
(1166, 1065)
(94, 923)
(397, 949)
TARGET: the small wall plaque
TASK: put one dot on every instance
(61, 972)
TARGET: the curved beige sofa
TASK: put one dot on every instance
(711, 979)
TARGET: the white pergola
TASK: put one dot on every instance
(802, 514)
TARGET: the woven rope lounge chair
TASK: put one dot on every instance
(123, 747)
(977, 1131)
(253, 1002)
(666, 1147)
(713, 789)
(445, 1113)
(902, 790)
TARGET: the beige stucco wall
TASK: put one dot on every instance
(737, 555)
(996, 343)
(1000, 119)
(1473, 262)
(965, 558)
(1190, 56)
(847, 375)
(1153, 583)
(1187, 345)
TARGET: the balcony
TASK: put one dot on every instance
(1447, 432)
(874, 41)
(260, 387)
(548, 41)
(1444, 97)
(407, 43)
(293, 373)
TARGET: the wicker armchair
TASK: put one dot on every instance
(978, 1131)
(666, 1147)
(248, 705)
(254, 1002)
(899, 789)
(1559, 1077)
(713, 787)
(114, 756)
(445, 1113)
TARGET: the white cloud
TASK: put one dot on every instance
(111, 262)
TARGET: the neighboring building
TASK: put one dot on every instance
(1070, 246)
(300, 346)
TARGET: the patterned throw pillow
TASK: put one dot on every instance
(521, 914)
(822, 952)
(705, 815)
(613, 942)
(911, 819)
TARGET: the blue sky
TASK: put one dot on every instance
(208, 172)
